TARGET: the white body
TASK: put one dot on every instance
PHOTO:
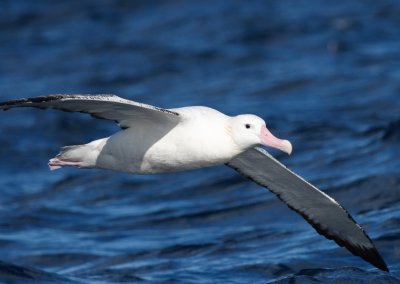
(202, 138)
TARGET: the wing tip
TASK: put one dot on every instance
(372, 256)
(368, 252)
(33, 101)
(27, 101)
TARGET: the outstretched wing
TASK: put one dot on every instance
(111, 107)
(319, 209)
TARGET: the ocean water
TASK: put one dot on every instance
(323, 74)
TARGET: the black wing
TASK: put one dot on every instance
(327, 216)
(111, 107)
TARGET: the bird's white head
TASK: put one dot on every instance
(250, 130)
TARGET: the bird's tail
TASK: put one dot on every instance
(68, 156)
(81, 156)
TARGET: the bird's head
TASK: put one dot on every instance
(250, 130)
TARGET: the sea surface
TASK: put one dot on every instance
(323, 74)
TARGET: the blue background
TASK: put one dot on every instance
(323, 74)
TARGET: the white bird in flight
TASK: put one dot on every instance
(155, 140)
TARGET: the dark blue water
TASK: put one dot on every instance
(324, 74)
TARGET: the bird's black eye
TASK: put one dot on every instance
(247, 125)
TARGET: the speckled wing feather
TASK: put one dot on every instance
(111, 107)
(319, 209)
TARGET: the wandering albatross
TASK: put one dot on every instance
(155, 140)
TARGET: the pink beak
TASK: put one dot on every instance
(270, 140)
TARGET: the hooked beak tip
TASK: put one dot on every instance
(287, 147)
